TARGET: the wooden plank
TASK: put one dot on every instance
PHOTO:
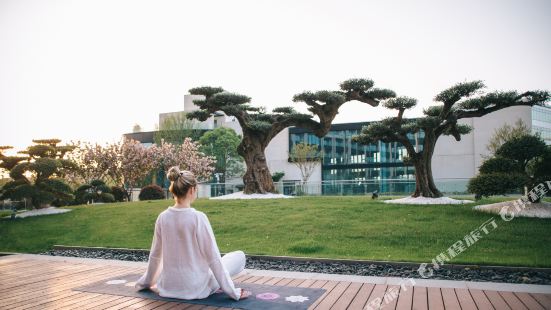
(450, 299)
(13, 261)
(241, 278)
(154, 305)
(465, 299)
(529, 301)
(181, 307)
(328, 286)
(28, 291)
(142, 303)
(284, 282)
(56, 278)
(37, 277)
(96, 302)
(124, 305)
(390, 299)
(22, 274)
(165, 306)
(319, 284)
(420, 298)
(496, 300)
(110, 303)
(195, 307)
(40, 293)
(60, 284)
(262, 280)
(295, 282)
(307, 283)
(435, 298)
(330, 299)
(346, 297)
(543, 299)
(40, 297)
(38, 301)
(405, 299)
(68, 301)
(361, 297)
(376, 297)
(482, 302)
(512, 301)
(8, 269)
(49, 280)
(273, 281)
(251, 279)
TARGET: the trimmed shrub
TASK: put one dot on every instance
(495, 184)
(518, 163)
(96, 191)
(499, 165)
(277, 176)
(119, 193)
(151, 192)
(107, 197)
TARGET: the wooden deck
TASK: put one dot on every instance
(27, 283)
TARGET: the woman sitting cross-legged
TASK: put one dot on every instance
(184, 261)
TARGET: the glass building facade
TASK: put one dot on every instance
(541, 122)
(347, 160)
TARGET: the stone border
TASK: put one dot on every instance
(329, 260)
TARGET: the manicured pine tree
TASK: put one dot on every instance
(38, 177)
(463, 100)
(260, 127)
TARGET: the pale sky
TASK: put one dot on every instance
(90, 70)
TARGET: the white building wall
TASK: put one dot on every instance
(277, 154)
(453, 159)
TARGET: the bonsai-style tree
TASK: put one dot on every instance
(260, 127)
(519, 164)
(38, 177)
(463, 100)
(306, 157)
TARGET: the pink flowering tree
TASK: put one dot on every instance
(135, 162)
(166, 155)
(190, 158)
(186, 156)
(125, 163)
(96, 162)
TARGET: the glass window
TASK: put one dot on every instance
(347, 160)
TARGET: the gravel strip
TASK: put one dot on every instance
(38, 212)
(378, 270)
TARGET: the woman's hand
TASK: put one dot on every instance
(245, 294)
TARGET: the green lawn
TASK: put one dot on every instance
(335, 227)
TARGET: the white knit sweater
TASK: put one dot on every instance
(184, 260)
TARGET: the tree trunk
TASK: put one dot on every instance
(424, 182)
(257, 179)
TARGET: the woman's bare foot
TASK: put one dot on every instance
(245, 294)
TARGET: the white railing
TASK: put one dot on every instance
(341, 187)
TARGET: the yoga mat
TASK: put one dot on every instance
(263, 296)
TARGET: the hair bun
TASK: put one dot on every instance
(173, 173)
